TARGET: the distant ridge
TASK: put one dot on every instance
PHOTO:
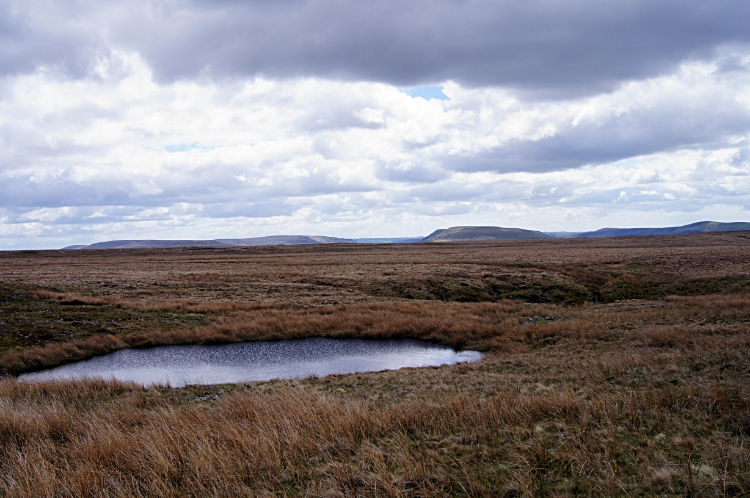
(273, 240)
(284, 240)
(459, 233)
(699, 227)
(388, 240)
(149, 244)
(483, 233)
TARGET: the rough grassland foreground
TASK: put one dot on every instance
(614, 367)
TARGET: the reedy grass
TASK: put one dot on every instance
(632, 419)
(637, 397)
(489, 327)
(650, 399)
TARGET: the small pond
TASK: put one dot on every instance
(178, 366)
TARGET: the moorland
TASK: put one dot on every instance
(613, 367)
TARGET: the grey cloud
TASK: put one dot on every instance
(651, 198)
(450, 209)
(334, 121)
(36, 34)
(560, 152)
(545, 47)
(715, 182)
(352, 203)
(446, 192)
(409, 174)
(21, 191)
(708, 172)
(551, 191)
(703, 124)
(730, 64)
(215, 184)
(332, 112)
(261, 209)
(742, 158)
(88, 215)
(652, 178)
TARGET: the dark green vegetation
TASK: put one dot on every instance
(483, 233)
(30, 319)
(633, 381)
(699, 227)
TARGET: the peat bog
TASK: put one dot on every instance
(613, 367)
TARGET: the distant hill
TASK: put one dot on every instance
(699, 227)
(388, 240)
(253, 241)
(463, 233)
(483, 233)
(149, 244)
(563, 235)
(284, 240)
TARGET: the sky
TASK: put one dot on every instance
(203, 119)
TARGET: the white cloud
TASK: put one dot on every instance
(121, 155)
(47, 214)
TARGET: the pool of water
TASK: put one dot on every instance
(179, 366)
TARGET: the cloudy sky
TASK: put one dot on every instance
(368, 118)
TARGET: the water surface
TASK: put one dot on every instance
(179, 366)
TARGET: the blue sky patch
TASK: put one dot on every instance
(181, 147)
(427, 92)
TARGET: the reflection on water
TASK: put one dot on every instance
(256, 361)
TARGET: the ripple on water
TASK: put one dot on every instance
(179, 366)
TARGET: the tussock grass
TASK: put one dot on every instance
(483, 325)
(629, 420)
(186, 305)
(639, 396)
(491, 327)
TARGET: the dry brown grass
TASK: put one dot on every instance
(563, 271)
(637, 397)
(486, 326)
(506, 326)
(576, 417)
(76, 299)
